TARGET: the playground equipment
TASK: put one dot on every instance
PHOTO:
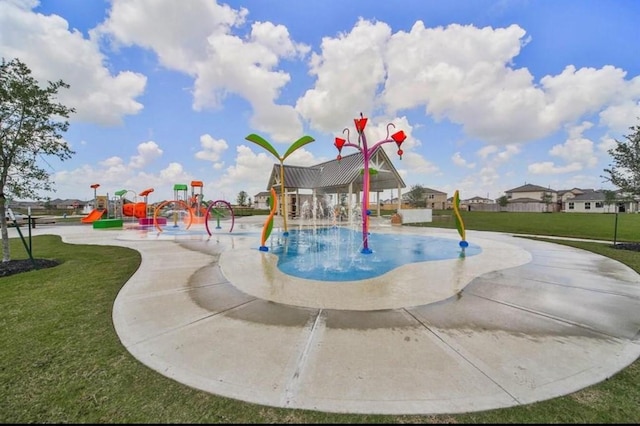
(104, 213)
(192, 209)
(129, 209)
(203, 210)
(178, 203)
(120, 202)
(213, 207)
(196, 202)
(99, 206)
(110, 213)
(140, 209)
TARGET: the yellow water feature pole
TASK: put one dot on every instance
(459, 222)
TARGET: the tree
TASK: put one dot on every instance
(610, 197)
(503, 201)
(31, 127)
(416, 196)
(624, 172)
(547, 198)
(242, 198)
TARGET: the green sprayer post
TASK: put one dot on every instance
(26, 247)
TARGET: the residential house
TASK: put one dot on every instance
(475, 203)
(57, 204)
(479, 203)
(478, 200)
(261, 200)
(565, 195)
(576, 200)
(433, 199)
(588, 201)
(393, 203)
(595, 201)
(626, 203)
(67, 204)
(532, 198)
(462, 205)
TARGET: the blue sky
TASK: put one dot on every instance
(491, 94)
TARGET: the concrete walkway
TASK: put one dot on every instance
(522, 322)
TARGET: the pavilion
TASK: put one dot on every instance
(343, 178)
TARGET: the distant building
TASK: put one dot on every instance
(478, 200)
(595, 201)
(575, 200)
(56, 204)
(435, 199)
(530, 198)
(261, 200)
(474, 203)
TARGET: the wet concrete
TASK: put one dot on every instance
(524, 322)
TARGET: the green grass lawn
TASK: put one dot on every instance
(599, 226)
(62, 362)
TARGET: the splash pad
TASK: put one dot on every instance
(416, 280)
(334, 253)
(482, 327)
(535, 321)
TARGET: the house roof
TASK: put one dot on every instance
(336, 176)
(590, 196)
(433, 191)
(530, 188)
(575, 191)
(294, 177)
(525, 200)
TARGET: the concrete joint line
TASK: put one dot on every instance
(316, 330)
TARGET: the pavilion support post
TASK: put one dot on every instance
(349, 208)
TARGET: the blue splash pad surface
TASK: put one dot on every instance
(334, 253)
